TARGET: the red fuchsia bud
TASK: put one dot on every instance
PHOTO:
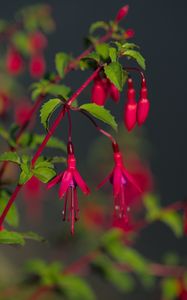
(22, 113)
(129, 33)
(37, 66)
(114, 93)
(14, 62)
(4, 104)
(122, 13)
(130, 107)
(37, 41)
(143, 105)
(99, 93)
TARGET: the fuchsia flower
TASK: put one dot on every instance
(70, 179)
(14, 62)
(130, 109)
(119, 177)
(37, 66)
(37, 41)
(129, 33)
(122, 13)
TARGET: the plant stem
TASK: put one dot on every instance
(47, 137)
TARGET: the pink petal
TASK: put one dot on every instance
(131, 180)
(54, 181)
(65, 183)
(104, 181)
(81, 183)
(117, 181)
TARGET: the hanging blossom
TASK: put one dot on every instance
(119, 178)
(69, 180)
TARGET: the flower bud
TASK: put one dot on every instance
(122, 13)
(130, 107)
(99, 93)
(143, 105)
(114, 93)
(37, 66)
(129, 33)
(14, 62)
(37, 42)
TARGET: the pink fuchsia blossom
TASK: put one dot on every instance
(37, 66)
(69, 180)
(119, 178)
(14, 62)
(122, 13)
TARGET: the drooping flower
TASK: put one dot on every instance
(114, 92)
(119, 178)
(14, 62)
(130, 107)
(143, 104)
(37, 42)
(99, 92)
(69, 180)
(37, 66)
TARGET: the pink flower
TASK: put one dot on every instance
(119, 177)
(14, 62)
(70, 179)
(37, 66)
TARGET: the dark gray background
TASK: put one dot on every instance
(161, 32)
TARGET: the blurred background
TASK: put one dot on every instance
(160, 30)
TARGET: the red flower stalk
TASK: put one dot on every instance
(143, 104)
(122, 13)
(130, 107)
(119, 177)
(99, 92)
(70, 179)
(37, 66)
(14, 62)
(129, 33)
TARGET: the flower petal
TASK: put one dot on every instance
(65, 183)
(104, 180)
(131, 179)
(117, 180)
(55, 180)
(81, 183)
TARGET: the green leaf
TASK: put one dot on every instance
(59, 90)
(26, 172)
(94, 56)
(11, 238)
(21, 42)
(100, 113)
(113, 54)
(152, 206)
(137, 56)
(47, 110)
(174, 221)
(98, 25)
(111, 236)
(61, 61)
(12, 217)
(75, 288)
(102, 50)
(170, 288)
(122, 281)
(32, 236)
(10, 156)
(44, 174)
(114, 73)
(126, 46)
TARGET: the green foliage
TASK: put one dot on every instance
(21, 42)
(44, 87)
(47, 110)
(102, 50)
(137, 56)
(114, 72)
(61, 61)
(44, 170)
(17, 238)
(100, 113)
(113, 54)
(10, 156)
(98, 25)
(12, 217)
(169, 288)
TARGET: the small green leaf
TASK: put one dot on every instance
(152, 206)
(98, 25)
(94, 56)
(44, 174)
(26, 173)
(11, 238)
(127, 46)
(32, 236)
(114, 73)
(59, 90)
(75, 288)
(61, 61)
(100, 113)
(10, 156)
(21, 42)
(113, 54)
(102, 50)
(137, 56)
(12, 217)
(170, 288)
(47, 110)
(174, 221)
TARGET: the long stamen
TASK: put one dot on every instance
(72, 211)
(65, 207)
(76, 205)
